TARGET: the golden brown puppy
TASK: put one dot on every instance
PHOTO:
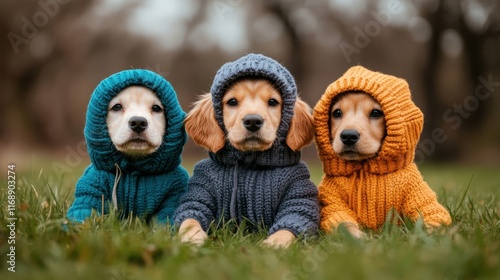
(247, 97)
(136, 121)
(367, 128)
(357, 126)
(251, 115)
(357, 129)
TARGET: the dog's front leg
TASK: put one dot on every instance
(280, 239)
(192, 232)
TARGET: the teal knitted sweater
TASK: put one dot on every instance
(148, 187)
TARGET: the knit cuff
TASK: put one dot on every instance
(78, 216)
(332, 222)
(192, 214)
(299, 227)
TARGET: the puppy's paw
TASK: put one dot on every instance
(436, 229)
(280, 239)
(354, 231)
(191, 231)
(197, 238)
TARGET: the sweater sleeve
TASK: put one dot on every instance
(88, 195)
(334, 209)
(420, 201)
(298, 211)
(198, 203)
(177, 190)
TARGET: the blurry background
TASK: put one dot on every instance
(54, 52)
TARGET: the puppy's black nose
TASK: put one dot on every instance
(253, 122)
(137, 124)
(349, 137)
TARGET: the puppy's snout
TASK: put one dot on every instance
(349, 137)
(253, 122)
(138, 124)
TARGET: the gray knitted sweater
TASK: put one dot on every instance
(270, 188)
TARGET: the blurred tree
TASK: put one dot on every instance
(55, 52)
(54, 55)
(35, 41)
(478, 24)
(281, 11)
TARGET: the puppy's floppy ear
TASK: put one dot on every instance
(202, 126)
(301, 130)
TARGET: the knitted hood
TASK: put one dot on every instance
(404, 122)
(103, 153)
(257, 66)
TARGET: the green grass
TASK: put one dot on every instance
(107, 248)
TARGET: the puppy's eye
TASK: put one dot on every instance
(156, 108)
(273, 102)
(232, 102)
(337, 113)
(116, 107)
(375, 113)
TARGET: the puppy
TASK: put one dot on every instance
(357, 126)
(251, 114)
(134, 133)
(367, 129)
(253, 131)
(136, 122)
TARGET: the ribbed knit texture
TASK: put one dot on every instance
(273, 187)
(150, 186)
(275, 198)
(363, 192)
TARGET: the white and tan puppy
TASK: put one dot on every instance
(136, 121)
(134, 131)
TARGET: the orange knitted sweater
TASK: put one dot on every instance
(363, 192)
